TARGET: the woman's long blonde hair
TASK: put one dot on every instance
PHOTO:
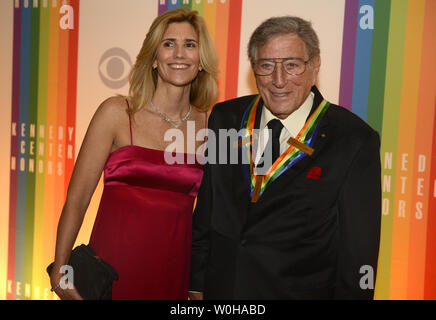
(143, 78)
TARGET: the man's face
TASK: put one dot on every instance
(281, 92)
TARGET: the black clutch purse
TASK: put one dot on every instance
(93, 277)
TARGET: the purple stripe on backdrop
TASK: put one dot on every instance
(14, 150)
(348, 53)
(163, 6)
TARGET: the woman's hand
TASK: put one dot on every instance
(62, 287)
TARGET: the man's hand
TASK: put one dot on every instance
(195, 295)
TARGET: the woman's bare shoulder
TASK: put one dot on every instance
(114, 104)
(113, 109)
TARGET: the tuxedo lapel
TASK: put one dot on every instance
(321, 137)
(317, 99)
(241, 174)
(241, 178)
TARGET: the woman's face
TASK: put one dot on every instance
(178, 55)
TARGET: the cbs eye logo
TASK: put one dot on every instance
(114, 68)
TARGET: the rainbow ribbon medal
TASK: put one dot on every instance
(306, 136)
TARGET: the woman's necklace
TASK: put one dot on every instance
(175, 123)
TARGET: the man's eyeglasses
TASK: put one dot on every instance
(292, 66)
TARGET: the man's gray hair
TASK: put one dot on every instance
(284, 25)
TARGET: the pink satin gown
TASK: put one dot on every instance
(143, 224)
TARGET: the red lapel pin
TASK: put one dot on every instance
(314, 173)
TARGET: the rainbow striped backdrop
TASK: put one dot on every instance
(42, 140)
(387, 78)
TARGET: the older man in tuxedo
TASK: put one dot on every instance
(305, 225)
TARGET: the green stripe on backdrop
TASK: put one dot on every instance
(391, 113)
(378, 64)
(186, 4)
(199, 6)
(30, 151)
(44, 31)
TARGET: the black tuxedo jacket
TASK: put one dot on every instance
(306, 237)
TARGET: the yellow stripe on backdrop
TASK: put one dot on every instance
(405, 157)
(38, 276)
(209, 14)
(51, 141)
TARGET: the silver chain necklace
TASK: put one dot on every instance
(175, 123)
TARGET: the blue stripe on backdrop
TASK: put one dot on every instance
(362, 64)
(173, 4)
(22, 134)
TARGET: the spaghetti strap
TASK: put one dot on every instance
(130, 124)
(205, 120)
(205, 125)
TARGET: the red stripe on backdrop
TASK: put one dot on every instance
(430, 265)
(233, 43)
(72, 95)
(61, 118)
(430, 256)
(423, 152)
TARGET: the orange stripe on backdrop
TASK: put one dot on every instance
(50, 140)
(61, 127)
(423, 154)
(72, 95)
(209, 14)
(221, 34)
(406, 140)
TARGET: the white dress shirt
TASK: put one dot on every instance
(291, 126)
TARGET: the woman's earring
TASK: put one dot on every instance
(200, 69)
